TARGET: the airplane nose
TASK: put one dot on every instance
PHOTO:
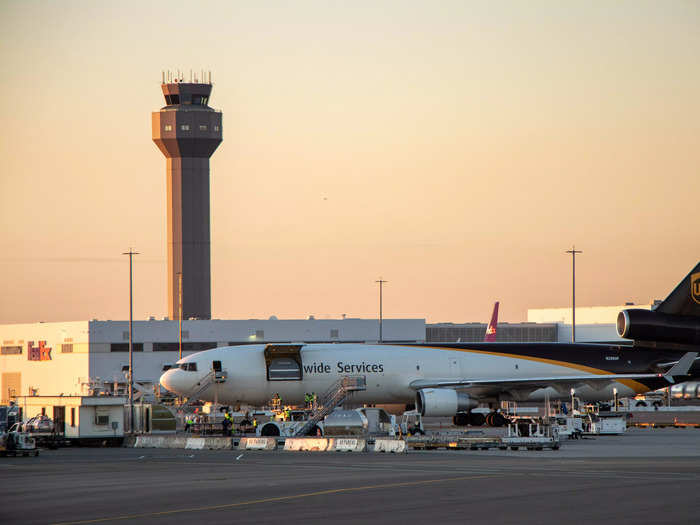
(169, 380)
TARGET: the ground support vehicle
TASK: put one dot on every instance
(289, 427)
(451, 442)
(568, 426)
(531, 434)
(412, 423)
(17, 444)
(596, 425)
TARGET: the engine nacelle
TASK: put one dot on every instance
(442, 402)
(646, 325)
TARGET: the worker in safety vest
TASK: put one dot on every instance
(255, 425)
(188, 424)
(287, 415)
(227, 424)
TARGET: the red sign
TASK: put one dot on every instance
(38, 353)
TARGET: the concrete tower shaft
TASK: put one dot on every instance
(188, 132)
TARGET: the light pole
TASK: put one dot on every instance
(179, 280)
(573, 251)
(381, 284)
(131, 254)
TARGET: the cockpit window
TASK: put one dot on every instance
(189, 367)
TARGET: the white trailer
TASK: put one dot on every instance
(79, 418)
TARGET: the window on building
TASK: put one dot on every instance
(185, 127)
(166, 347)
(260, 334)
(43, 411)
(72, 416)
(124, 347)
(168, 127)
(334, 333)
(186, 346)
(174, 99)
(67, 348)
(185, 334)
(125, 335)
(202, 127)
(11, 350)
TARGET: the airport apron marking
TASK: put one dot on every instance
(631, 383)
(272, 500)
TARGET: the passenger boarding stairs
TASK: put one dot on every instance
(214, 376)
(333, 397)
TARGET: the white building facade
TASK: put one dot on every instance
(83, 357)
(593, 323)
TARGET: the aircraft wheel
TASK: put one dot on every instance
(476, 419)
(460, 419)
(269, 430)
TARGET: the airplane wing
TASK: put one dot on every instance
(536, 382)
(525, 385)
(522, 387)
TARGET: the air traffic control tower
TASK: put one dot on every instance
(188, 132)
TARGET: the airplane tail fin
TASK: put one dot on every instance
(685, 298)
(490, 336)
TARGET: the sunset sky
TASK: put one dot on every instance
(455, 149)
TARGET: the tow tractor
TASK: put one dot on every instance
(16, 443)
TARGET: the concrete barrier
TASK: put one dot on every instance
(258, 443)
(150, 442)
(347, 445)
(192, 443)
(390, 445)
(306, 444)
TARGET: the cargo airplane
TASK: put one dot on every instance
(449, 379)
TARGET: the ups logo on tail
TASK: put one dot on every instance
(695, 287)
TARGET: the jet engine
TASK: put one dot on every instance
(442, 402)
(646, 325)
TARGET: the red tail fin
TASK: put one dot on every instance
(490, 336)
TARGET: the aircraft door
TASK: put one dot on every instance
(283, 362)
(59, 419)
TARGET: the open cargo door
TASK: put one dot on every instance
(283, 362)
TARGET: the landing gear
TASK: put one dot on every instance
(474, 419)
(460, 419)
(496, 419)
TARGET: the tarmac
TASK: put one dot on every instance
(644, 476)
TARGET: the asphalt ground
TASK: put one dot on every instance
(644, 476)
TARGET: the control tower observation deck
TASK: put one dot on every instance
(188, 132)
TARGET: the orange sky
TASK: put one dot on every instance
(455, 150)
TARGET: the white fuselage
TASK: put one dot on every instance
(389, 371)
